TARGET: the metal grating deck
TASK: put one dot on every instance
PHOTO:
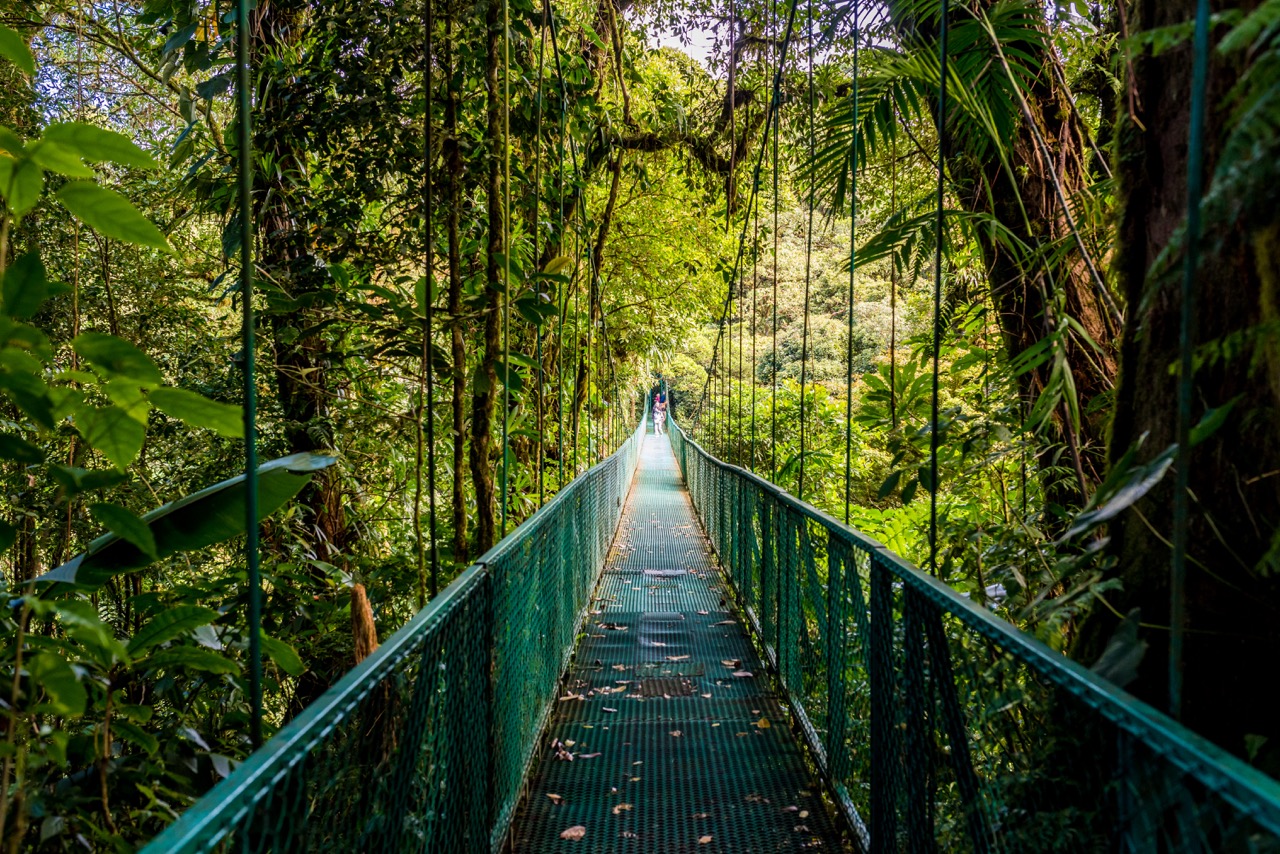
(709, 765)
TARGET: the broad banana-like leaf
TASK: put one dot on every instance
(192, 522)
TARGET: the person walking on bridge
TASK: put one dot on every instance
(659, 413)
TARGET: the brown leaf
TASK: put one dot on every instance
(726, 623)
(555, 799)
(763, 723)
(702, 815)
(574, 833)
(703, 840)
(619, 809)
(731, 662)
(804, 813)
(607, 709)
(705, 613)
(588, 755)
(676, 657)
(743, 674)
(675, 733)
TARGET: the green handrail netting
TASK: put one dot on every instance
(424, 745)
(938, 726)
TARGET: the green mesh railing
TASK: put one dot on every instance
(424, 746)
(939, 726)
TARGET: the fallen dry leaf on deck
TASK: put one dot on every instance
(588, 755)
(726, 623)
(675, 733)
(703, 840)
(607, 709)
(619, 809)
(731, 662)
(574, 833)
(555, 799)
(743, 674)
(763, 723)
(676, 657)
(804, 813)
(705, 613)
(627, 834)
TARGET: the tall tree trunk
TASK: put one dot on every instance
(1233, 587)
(485, 387)
(290, 272)
(458, 353)
(1030, 302)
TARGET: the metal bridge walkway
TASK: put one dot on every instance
(678, 739)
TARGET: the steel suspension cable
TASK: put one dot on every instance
(1186, 333)
(937, 288)
(245, 203)
(773, 364)
(506, 255)
(426, 410)
(770, 121)
(808, 270)
(853, 266)
(537, 198)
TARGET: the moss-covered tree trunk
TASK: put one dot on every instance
(1233, 575)
(484, 391)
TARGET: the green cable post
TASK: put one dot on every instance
(506, 245)
(937, 292)
(1186, 332)
(251, 555)
(853, 266)
(564, 308)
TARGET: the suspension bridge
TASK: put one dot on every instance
(676, 655)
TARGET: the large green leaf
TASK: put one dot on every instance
(284, 656)
(110, 214)
(193, 658)
(170, 624)
(25, 184)
(125, 525)
(198, 520)
(19, 450)
(59, 158)
(55, 678)
(98, 145)
(117, 357)
(198, 411)
(31, 395)
(112, 431)
(26, 286)
(8, 534)
(14, 48)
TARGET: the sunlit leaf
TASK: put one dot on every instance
(198, 411)
(111, 214)
(98, 145)
(198, 520)
(170, 624)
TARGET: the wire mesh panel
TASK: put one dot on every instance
(938, 726)
(425, 744)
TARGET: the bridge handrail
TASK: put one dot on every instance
(435, 769)
(734, 504)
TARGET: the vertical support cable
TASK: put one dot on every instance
(1186, 332)
(808, 271)
(537, 198)
(426, 410)
(506, 245)
(853, 266)
(937, 289)
(251, 557)
(773, 364)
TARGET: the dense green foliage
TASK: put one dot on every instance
(480, 248)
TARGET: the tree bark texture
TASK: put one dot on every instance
(1233, 587)
(484, 390)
